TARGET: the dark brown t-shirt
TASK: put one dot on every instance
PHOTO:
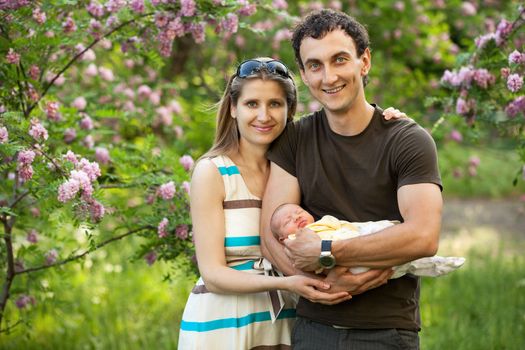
(355, 178)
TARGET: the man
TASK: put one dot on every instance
(346, 161)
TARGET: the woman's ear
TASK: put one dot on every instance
(233, 111)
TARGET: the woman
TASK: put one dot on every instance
(240, 302)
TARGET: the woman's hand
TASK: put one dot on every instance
(393, 113)
(312, 289)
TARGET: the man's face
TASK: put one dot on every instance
(290, 218)
(332, 70)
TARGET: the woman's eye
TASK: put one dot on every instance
(251, 104)
(275, 104)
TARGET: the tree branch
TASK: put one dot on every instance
(81, 255)
(18, 199)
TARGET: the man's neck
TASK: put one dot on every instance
(351, 122)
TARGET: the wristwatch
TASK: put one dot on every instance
(326, 259)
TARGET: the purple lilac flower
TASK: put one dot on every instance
(68, 190)
(516, 57)
(86, 123)
(187, 8)
(186, 186)
(69, 135)
(182, 231)
(12, 57)
(32, 236)
(26, 157)
(137, 6)
(96, 210)
(37, 130)
(150, 258)
(34, 72)
(102, 155)
(95, 9)
(162, 229)
(514, 82)
(482, 40)
(455, 135)
(186, 161)
(39, 16)
(51, 257)
(4, 135)
(167, 190)
(483, 78)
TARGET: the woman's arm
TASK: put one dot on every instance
(207, 196)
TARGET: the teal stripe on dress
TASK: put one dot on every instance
(234, 322)
(229, 170)
(242, 241)
(246, 266)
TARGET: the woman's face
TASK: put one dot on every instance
(260, 111)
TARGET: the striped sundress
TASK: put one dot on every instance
(241, 321)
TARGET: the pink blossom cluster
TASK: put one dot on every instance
(12, 57)
(4, 135)
(279, 4)
(464, 77)
(137, 6)
(162, 228)
(80, 179)
(51, 257)
(39, 16)
(95, 9)
(464, 107)
(473, 164)
(514, 82)
(186, 161)
(517, 57)
(503, 30)
(69, 25)
(188, 8)
(86, 123)
(186, 186)
(32, 236)
(70, 135)
(229, 24)
(24, 167)
(34, 72)
(25, 300)
(102, 155)
(167, 191)
(515, 107)
(181, 231)
(13, 4)
(468, 9)
(150, 257)
(115, 5)
(197, 32)
(52, 111)
(247, 9)
(456, 136)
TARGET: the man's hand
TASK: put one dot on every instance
(340, 279)
(304, 250)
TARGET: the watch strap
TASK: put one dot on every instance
(326, 246)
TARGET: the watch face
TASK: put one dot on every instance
(327, 261)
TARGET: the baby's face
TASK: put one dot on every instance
(291, 218)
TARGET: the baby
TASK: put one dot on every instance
(288, 218)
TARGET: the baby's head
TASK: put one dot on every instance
(287, 219)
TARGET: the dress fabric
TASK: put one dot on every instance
(243, 321)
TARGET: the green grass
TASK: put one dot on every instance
(480, 306)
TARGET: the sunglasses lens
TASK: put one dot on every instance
(250, 67)
(278, 68)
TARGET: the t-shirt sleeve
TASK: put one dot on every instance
(416, 158)
(283, 150)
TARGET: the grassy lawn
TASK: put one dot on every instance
(111, 306)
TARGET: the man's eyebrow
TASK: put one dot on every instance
(316, 60)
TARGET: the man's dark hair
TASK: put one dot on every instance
(318, 23)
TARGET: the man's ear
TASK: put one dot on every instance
(366, 60)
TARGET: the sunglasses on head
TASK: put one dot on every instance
(250, 67)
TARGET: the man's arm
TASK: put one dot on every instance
(418, 236)
(281, 188)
